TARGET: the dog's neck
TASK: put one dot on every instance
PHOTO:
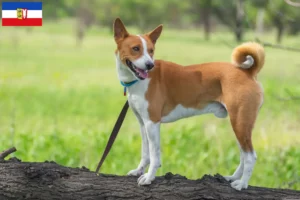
(123, 73)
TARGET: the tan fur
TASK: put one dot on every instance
(196, 86)
(249, 48)
(125, 41)
(169, 92)
(125, 48)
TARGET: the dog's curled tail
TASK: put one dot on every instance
(249, 56)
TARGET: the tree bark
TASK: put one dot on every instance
(48, 180)
(85, 19)
(280, 27)
(205, 12)
(260, 22)
(240, 14)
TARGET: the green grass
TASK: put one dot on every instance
(59, 102)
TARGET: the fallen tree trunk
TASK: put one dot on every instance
(48, 180)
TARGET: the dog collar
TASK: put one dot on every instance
(127, 85)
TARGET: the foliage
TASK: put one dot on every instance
(145, 14)
(175, 13)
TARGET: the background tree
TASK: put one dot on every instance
(202, 14)
(261, 7)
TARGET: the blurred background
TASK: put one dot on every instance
(60, 96)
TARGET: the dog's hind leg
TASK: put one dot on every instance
(242, 119)
(145, 160)
(239, 170)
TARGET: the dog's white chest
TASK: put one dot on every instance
(181, 112)
(136, 97)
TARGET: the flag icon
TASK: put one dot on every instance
(22, 14)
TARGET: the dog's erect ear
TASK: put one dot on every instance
(154, 35)
(120, 31)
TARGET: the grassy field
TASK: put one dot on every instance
(59, 102)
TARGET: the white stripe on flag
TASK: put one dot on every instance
(30, 14)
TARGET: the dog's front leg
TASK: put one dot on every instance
(153, 135)
(145, 160)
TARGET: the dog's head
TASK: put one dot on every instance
(136, 51)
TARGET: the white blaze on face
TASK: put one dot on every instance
(141, 62)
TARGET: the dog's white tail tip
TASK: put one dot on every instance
(248, 63)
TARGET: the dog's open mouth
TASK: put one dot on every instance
(139, 73)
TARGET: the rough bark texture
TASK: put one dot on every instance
(21, 180)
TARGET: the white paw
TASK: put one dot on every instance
(231, 178)
(239, 185)
(145, 179)
(135, 172)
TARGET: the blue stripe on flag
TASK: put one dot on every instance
(27, 5)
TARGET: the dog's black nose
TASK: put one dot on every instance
(149, 65)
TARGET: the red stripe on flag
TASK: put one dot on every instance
(22, 22)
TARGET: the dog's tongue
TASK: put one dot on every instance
(142, 73)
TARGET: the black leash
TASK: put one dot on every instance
(113, 134)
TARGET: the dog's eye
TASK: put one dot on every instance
(136, 48)
(151, 51)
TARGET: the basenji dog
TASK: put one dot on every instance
(161, 92)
